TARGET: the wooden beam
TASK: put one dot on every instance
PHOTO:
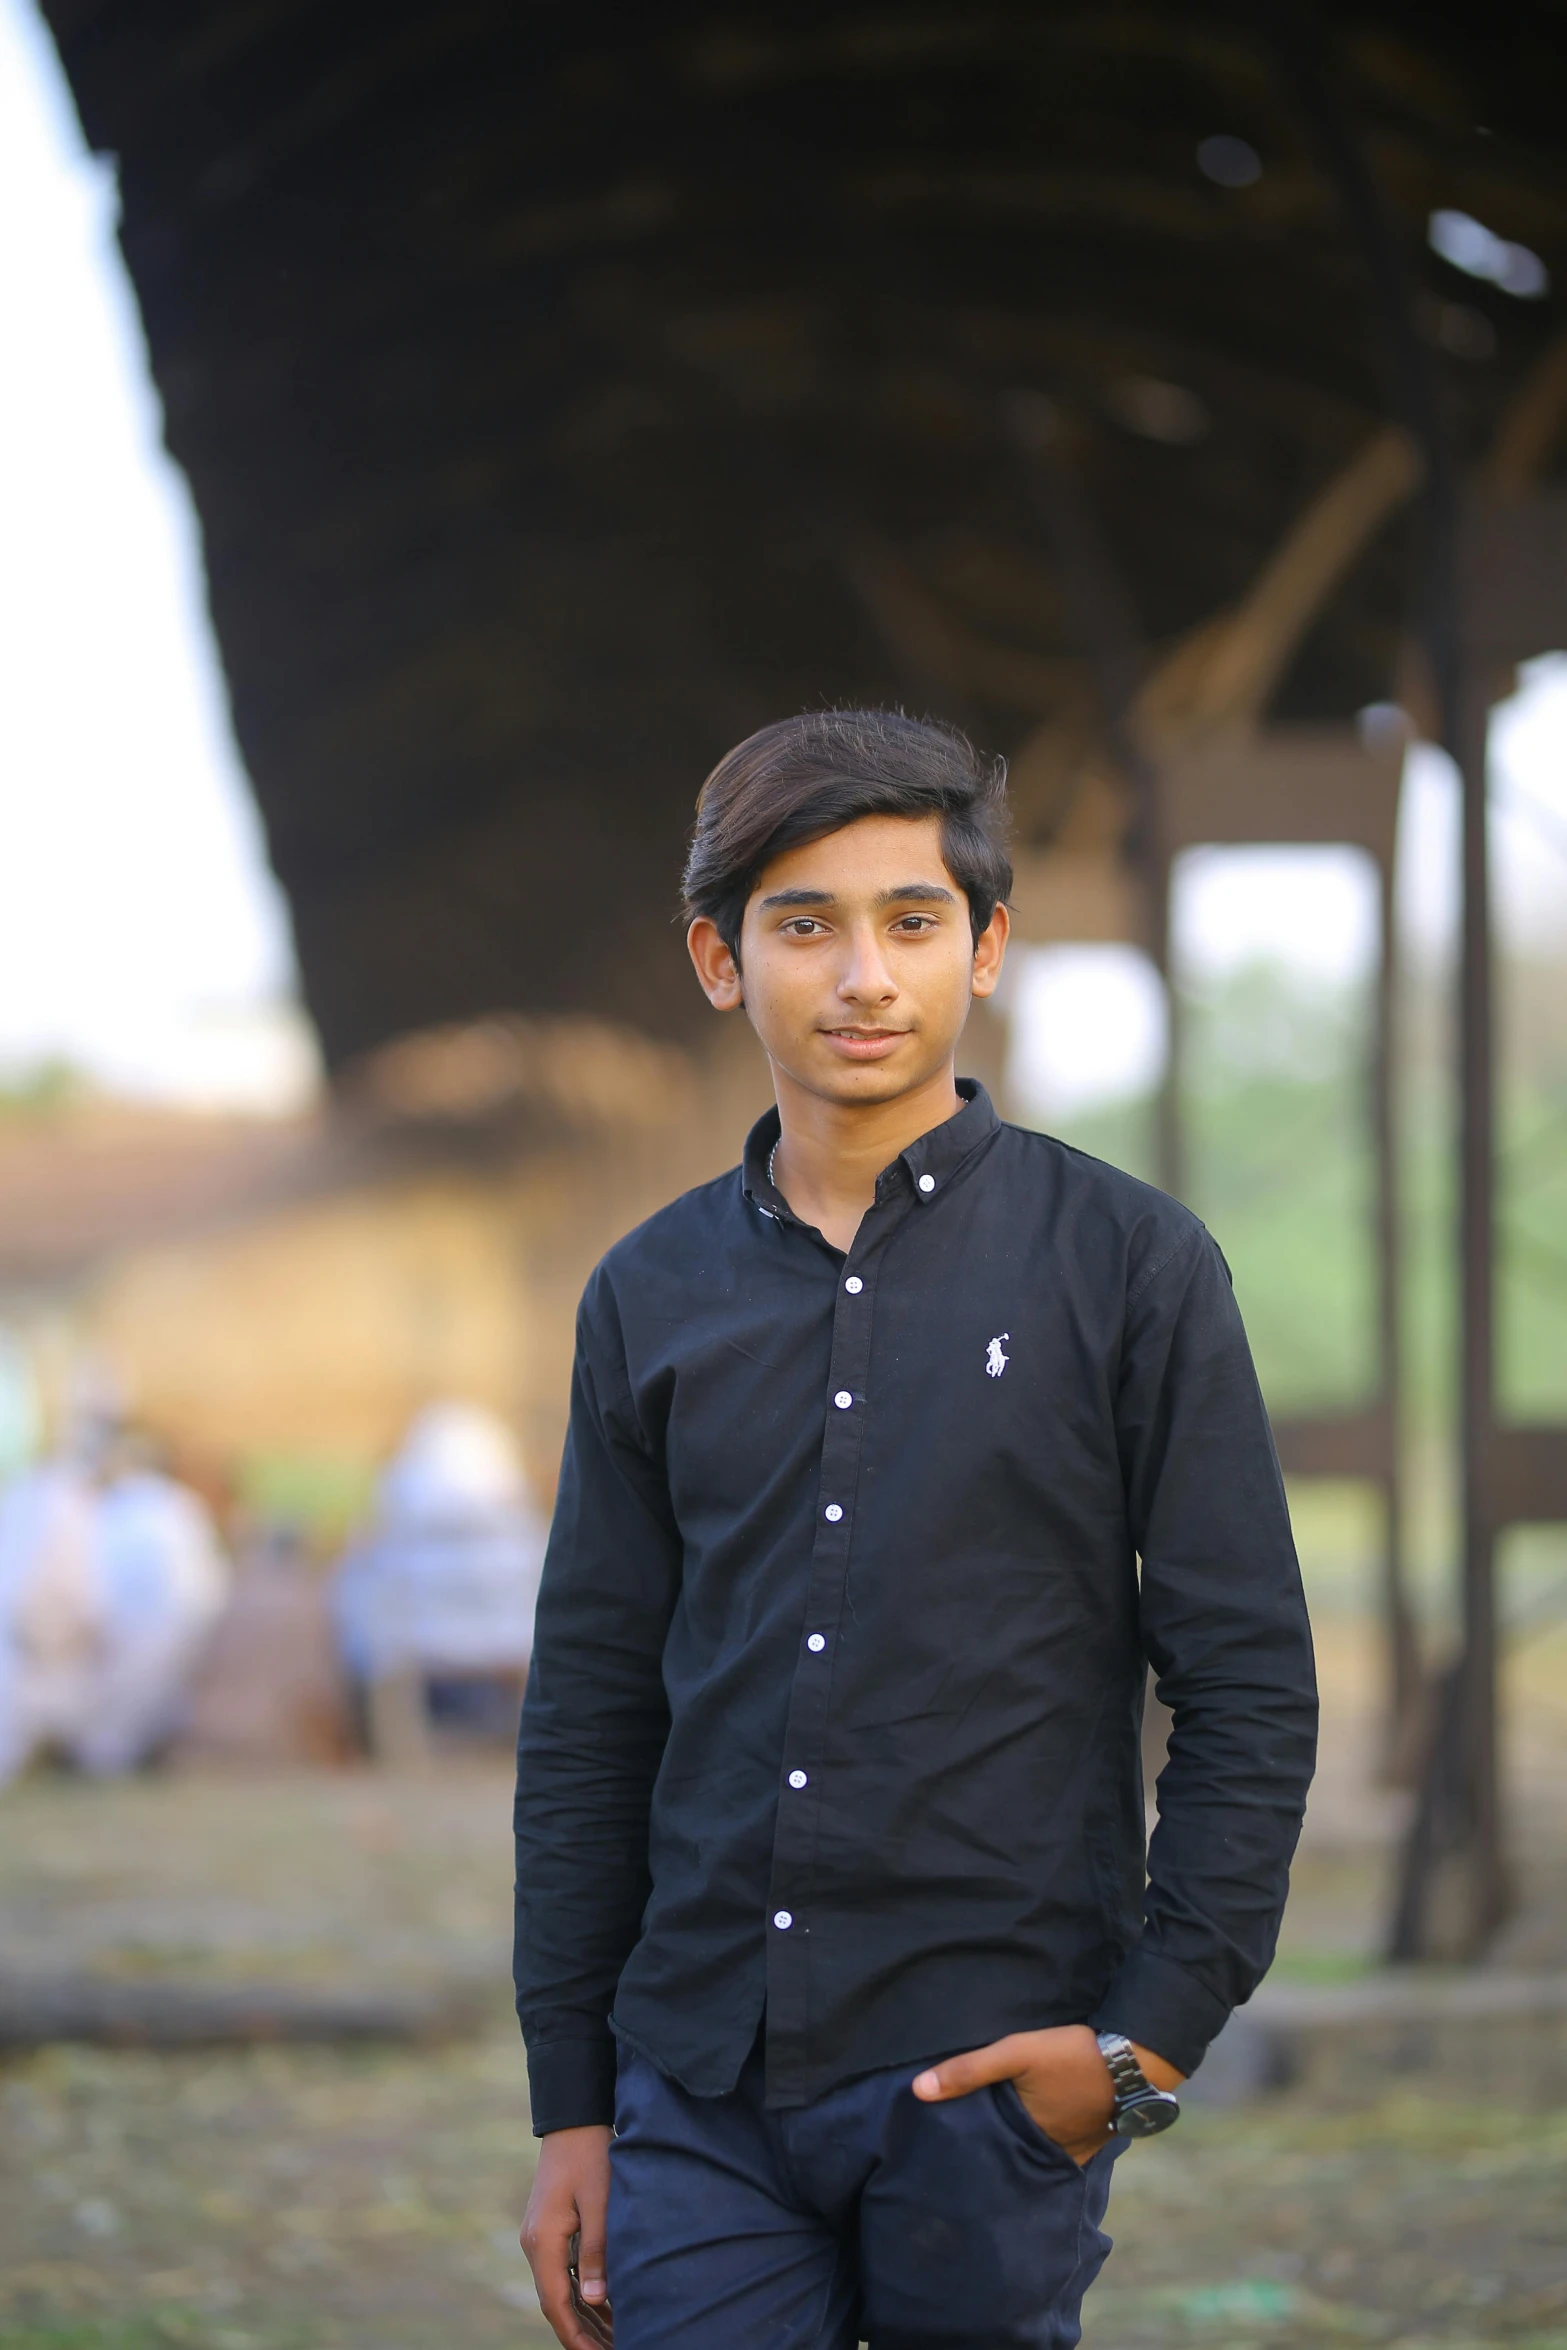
(1228, 677)
(1339, 1444)
(1529, 430)
(1289, 784)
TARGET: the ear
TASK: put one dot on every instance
(716, 967)
(989, 949)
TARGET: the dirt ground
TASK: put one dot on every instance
(292, 2198)
(284, 2201)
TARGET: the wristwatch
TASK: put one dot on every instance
(1140, 2110)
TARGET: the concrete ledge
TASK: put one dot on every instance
(1472, 2036)
(35, 2012)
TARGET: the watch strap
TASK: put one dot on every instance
(1127, 2077)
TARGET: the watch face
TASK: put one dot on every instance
(1146, 2116)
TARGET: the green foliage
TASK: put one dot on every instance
(1275, 1102)
(1532, 1283)
(1279, 1167)
(45, 1085)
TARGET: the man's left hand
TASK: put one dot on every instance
(1060, 2076)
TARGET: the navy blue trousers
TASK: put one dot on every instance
(864, 2217)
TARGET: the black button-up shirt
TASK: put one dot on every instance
(838, 1674)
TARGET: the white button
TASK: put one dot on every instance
(843, 1399)
(816, 1644)
(854, 1285)
(833, 1512)
(797, 1778)
(783, 1919)
(927, 1183)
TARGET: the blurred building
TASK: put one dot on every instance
(295, 1292)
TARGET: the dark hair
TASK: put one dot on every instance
(804, 777)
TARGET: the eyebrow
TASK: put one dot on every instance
(924, 893)
(920, 893)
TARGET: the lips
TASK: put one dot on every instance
(864, 1044)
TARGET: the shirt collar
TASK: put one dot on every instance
(929, 1164)
(760, 1144)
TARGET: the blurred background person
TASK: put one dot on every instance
(434, 1608)
(111, 1580)
(164, 1580)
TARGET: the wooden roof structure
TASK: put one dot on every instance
(566, 391)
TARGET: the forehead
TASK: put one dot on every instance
(864, 859)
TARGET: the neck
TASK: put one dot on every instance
(830, 1153)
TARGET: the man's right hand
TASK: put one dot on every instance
(571, 2198)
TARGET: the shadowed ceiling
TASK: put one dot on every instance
(566, 391)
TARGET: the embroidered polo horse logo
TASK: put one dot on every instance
(995, 1360)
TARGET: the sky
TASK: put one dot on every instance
(142, 936)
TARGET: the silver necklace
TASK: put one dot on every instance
(772, 1162)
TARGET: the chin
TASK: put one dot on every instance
(870, 1081)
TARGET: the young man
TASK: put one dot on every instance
(839, 1978)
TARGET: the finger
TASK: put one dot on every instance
(590, 2259)
(548, 2246)
(957, 2076)
(565, 2322)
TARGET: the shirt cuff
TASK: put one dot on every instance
(1162, 2007)
(571, 2085)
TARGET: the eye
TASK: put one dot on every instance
(915, 922)
(802, 925)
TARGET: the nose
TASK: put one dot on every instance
(866, 977)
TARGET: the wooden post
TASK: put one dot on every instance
(1453, 1887)
(1477, 1707)
(1405, 1679)
(1170, 1171)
